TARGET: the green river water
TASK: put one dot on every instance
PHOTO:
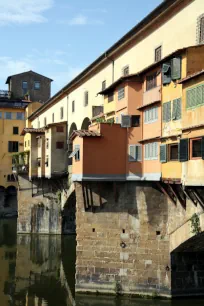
(39, 270)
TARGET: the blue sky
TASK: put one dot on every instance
(59, 38)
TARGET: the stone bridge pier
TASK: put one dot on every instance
(132, 239)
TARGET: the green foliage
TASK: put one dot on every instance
(103, 120)
(19, 159)
(118, 288)
(195, 224)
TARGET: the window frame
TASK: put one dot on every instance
(73, 106)
(201, 30)
(86, 98)
(169, 152)
(21, 115)
(191, 148)
(148, 145)
(59, 129)
(37, 82)
(17, 128)
(159, 48)
(121, 93)
(110, 97)
(147, 111)
(59, 147)
(16, 146)
(53, 117)
(151, 83)
(126, 70)
(103, 85)
(23, 82)
(45, 121)
(61, 112)
(6, 114)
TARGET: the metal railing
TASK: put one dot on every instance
(5, 94)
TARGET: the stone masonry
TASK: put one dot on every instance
(128, 241)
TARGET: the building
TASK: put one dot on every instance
(30, 84)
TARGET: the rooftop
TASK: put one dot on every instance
(84, 133)
(30, 71)
(192, 76)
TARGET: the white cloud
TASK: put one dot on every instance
(95, 10)
(81, 20)
(23, 11)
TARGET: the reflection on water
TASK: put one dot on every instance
(39, 270)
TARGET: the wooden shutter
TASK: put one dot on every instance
(167, 111)
(132, 152)
(183, 150)
(199, 98)
(176, 68)
(176, 112)
(163, 153)
(166, 73)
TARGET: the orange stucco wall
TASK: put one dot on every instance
(153, 129)
(105, 155)
(152, 166)
(121, 104)
(195, 60)
(77, 166)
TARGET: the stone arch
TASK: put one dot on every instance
(11, 199)
(69, 214)
(73, 127)
(85, 124)
(187, 267)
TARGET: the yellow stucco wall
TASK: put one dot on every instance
(175, 32)
(6, 135)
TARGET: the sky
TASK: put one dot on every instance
(60, 38)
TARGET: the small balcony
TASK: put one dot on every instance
(20, 163)
(151, 96)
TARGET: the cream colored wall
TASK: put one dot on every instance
(177, 32)
(48, 114)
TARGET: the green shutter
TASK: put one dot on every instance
(183, 150)
(176, 68)
(176, 112)
(199, 98)
(163, 153)
(132, 152)
(166, 73)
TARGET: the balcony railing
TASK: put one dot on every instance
(152, 95)
(5, 94)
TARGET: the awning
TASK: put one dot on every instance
(74, 153)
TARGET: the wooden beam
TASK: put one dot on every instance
(166, 193)
(177, 194)
(188, 192)
(198, 198)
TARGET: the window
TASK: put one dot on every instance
(201, 30)
(28, 143)
(0, 115)
(167, 111)
(25, 87)
(47, 143)
(59, 129)
(176, 68)
(121, 93)
(25, 144)
(195, 97)
(135, 153)
(39, 162)
(166, 73)
(135, 120)
(37, 85)
(151, 151)
(15, 130)
(103, 85)
(10, 178)
(59, 145)
(151, 115)
(19, 116)
(45, 121)
(13, 146)
(157, 54)
(151, 81)
(111, 96)
(125, 71)
(61, 112)
(173, 152)
(47, 161)
(77, 152)
(176, 112)
(73, 106)
(86, 98)
(196, 148)
(38, 124)
(8, 115)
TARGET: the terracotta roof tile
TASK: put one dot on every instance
(32, 130)
(84, 133)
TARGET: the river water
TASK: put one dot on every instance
(39, 270)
